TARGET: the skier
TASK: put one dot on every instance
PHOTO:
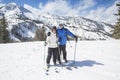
(62, 38)
(52, 42)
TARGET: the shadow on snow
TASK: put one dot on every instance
(84, 63)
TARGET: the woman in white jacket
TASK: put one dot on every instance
(52, 42)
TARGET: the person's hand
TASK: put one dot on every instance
(58, 43)
(48, 34)
(45, 44)
(76, 38)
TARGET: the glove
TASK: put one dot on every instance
(76, 38)
(58, 43)
(45, 44)
(48, 34)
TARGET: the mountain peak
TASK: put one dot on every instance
(12, 3)
(23, 22)
(11, 6)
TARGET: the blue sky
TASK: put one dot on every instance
(35, 3)
(100, 10)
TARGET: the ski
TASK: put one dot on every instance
(47, 70)
(68, 66)
(56, 70)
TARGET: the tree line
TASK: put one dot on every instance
(116, 32)
(4, 34)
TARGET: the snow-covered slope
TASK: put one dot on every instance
(95, 60)
(20, 18)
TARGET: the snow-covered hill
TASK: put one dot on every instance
(95, 60)
(24, 20)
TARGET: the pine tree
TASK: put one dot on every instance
(1, 32)
(4, 34)
(116, 32)
(40, 34)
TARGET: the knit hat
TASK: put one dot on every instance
(54, 28)
(60, 26)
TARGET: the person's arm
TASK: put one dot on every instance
(47, 39)
(46, 42)
(71, 34)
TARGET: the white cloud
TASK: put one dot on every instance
(41, 5)
(85, 4)
(63, 7)
(58, 7)
(104, 14)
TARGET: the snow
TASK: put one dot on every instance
(84, 28)
(95, 60)
(31, 34)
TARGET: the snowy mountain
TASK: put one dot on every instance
(23, 21)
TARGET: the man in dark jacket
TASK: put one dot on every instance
(62, 39)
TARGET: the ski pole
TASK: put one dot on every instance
(75, 52)
(44, 53)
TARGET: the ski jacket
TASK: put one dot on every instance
(62, 35)
(52, 40)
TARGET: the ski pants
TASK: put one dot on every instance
(58, 54)
(63, 50)
(52, 52)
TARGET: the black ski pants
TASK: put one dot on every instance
(63, 50)
(52, 52)
(58, 55)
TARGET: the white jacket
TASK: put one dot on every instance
(52, 40)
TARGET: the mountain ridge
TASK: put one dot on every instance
(25, 20)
